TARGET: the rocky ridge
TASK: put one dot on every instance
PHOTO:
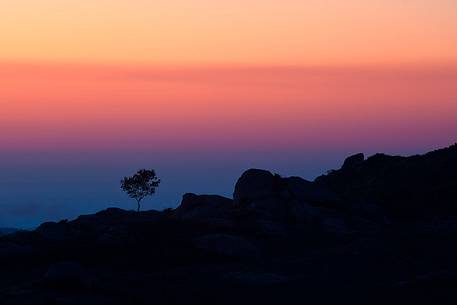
(384, 226)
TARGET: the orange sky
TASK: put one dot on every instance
(90, 73)
(254, 32)
(96, 107)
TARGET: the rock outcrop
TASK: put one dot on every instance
(254, 185)
(293, 201)
(208, 209)
(281, 240)
(353, 161)
(405, 187)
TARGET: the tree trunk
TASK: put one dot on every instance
(138, 206)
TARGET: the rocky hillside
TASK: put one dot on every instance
(407, 187)
(376, 231)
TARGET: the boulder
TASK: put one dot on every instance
(271, 198)
(192, 203)
(255, 184)
(54, 231)
(205, 208)
(259, 185)
(353, 161)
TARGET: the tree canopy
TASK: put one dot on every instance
(140, 185)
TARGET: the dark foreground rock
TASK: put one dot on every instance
(227, 245)
(69, 275)
(380, 230)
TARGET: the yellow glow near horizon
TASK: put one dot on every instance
(288, 32)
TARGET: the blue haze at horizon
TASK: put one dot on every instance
(50, 186)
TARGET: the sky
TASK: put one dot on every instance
(288, 32)
(91, 91)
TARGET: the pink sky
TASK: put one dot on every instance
(174, 74)
(96, 107)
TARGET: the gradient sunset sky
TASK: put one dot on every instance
(269, 32)
(201, 90)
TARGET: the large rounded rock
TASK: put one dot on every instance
(255, 184)
(271, 198)
(353, 161)
(192, 202)
(211, 209)
(55, 231)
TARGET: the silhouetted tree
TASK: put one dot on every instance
(140, 185)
